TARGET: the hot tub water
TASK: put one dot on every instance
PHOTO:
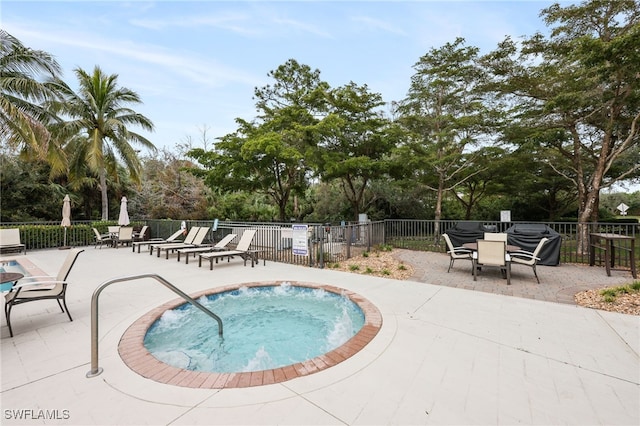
(264, 327)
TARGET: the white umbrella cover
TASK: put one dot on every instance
(66, 211)
(66, 217)
(123, 219)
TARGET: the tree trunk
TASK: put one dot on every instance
(438, 210)
(587, 214)
(103, 192)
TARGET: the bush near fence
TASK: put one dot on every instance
(37, 236)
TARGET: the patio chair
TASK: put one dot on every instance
(523, 257)
(171, 239)
(102, 239)
(197, 241)
(139, 236)
(492, 253)
(125, 236)
(242, 250)
(188, 239)
(34, 288)
(456, 252)
(495, 236)
(219, 246)
(10, 241)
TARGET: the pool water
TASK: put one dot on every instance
(10, 266)
(264, 327)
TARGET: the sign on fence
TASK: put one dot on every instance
(299, 235)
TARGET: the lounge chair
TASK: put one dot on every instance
(139, 236)
(219, 246)
(171, 239)
(33, 288)
(492, 253)
(188, 239)
(197, 241)
(125, 236)
(10, 241)
(528, 258)
(102, 239)
(456, 253)
(495, 236)
(242, 250)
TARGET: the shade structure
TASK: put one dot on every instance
(123, 219)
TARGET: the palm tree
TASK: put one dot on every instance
(97, 127)
(26, 81)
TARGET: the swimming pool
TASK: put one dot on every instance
(259, 369)
(11, 266)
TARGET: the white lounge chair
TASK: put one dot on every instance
(219, 246)
(10, 241)
(456, 252)
(102, 239)
(197, 241)
(33, 288)
(187, 239)
(495, 236)
(528, 258)
(171, 239)
(125, 236)
(242, 250)
(139, 236)
(492, 253)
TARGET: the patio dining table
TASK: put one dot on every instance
(9, 278)
(474, 247)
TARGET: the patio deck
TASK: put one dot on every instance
(443, 354)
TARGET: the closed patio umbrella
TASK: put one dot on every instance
(123, 219)
(66, 217)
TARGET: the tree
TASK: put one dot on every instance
(268, 154)
(169, 191)
(25, 82)
(28, 194)
(98, 127)
(354, 148)
(446, 112)
(578, 92)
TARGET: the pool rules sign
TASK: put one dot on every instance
(299, 236)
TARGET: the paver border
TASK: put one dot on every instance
(136, 356)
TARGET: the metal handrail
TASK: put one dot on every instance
(95, 369)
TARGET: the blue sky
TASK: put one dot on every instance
(195, 64)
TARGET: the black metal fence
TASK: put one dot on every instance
(325, 243)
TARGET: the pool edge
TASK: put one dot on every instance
(136, 356)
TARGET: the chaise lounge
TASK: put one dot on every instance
(157, 241)
(219, 246)
(10, 241)
(242, 250)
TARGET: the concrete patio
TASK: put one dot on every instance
(445, 354)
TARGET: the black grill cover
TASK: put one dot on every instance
(528, 235)
(467, 232)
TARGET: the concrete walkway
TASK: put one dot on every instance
(444, 355)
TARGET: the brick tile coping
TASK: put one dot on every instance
(28, 266)
(136, 356)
